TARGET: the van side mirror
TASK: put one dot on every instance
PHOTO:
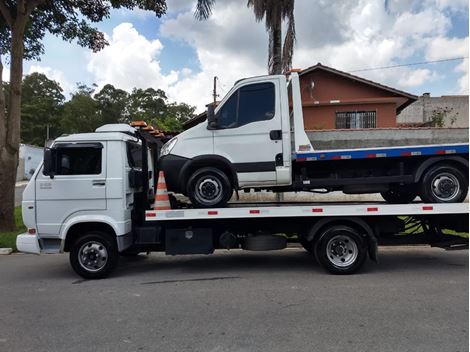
(211, 119)
(49, 163)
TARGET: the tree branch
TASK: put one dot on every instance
(5, 11)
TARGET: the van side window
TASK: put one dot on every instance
(79, 161)
(134, 155)
(251, 103)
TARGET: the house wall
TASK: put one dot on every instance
(319, 88)
(324, 117)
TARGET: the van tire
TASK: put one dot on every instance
(209, 187)
(94, 255)
(443, 183)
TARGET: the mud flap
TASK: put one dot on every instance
(373, 248)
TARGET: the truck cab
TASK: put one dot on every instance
(88, 178)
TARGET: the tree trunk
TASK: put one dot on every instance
(10, 129)
(276, 35)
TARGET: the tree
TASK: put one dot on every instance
(274, 12)
(23, 25)
(112, 104)
(41, 106)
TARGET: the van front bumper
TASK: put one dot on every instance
(28, 244)
(172, 166)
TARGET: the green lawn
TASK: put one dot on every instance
(8, 239)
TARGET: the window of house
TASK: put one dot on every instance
(78, 160)
(251, 103)
(356, 119)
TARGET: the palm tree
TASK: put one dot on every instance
(274, 12)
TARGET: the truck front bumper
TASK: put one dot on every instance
(28, 244)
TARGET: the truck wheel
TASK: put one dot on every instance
(443, 183)
(209, 188)
(341, 250)
(400, 195)
(94, 255)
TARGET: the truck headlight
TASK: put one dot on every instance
(168, 146)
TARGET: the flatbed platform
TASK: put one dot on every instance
(270, 210)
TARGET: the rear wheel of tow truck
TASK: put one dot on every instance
(400, 195)
(443, 183)
(94, 255)
(209, 187)
(341, 250)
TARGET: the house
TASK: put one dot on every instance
(445, 111)
(334, 99)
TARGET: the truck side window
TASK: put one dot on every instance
(134, 155)
(256, 103)
(251, 103)
(79, 161)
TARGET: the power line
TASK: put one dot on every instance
(410, 64)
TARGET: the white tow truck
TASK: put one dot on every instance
(93, 197)
(255, 140)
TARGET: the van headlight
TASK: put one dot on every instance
(168, 146)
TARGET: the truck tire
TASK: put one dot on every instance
(94, 255)
(401, 195)
(443, 183)
(341, 250)
(209, 187)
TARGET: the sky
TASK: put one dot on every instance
(181, 55)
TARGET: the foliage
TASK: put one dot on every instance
(44, 106)
(440, 114)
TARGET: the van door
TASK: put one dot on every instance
(79, 184)
(249, 132)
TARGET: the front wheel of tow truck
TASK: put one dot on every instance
(94, 255)
(341, 250)
(209, 187)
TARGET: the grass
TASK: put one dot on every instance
(8, 239)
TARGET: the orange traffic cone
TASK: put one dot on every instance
(162, 202)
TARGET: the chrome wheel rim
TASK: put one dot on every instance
(445, 186)
(93, 256)
(342, 251)
(209, 189)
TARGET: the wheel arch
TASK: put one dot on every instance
(216, 161)
(355, 222)
(76, 230)
(457, 161)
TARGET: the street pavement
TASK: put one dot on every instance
(415, 299)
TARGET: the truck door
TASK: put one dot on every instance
(79, 185)
(249, 132)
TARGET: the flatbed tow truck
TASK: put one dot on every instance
(93, 197)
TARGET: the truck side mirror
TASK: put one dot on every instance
(211, 119)
(49, 163)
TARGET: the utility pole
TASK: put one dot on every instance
(214, 92)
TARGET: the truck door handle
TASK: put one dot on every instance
(275, 135)
(98, 182)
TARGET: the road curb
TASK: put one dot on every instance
(6, 251)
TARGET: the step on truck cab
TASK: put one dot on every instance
(255, 139)
(93, 198)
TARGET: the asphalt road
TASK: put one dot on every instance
(416, 299)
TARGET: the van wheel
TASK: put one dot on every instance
(94, 255)
(443, 183)
(209, 188)
(401, 195)
(341, 250)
